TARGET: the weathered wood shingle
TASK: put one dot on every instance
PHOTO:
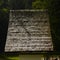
(29, 30)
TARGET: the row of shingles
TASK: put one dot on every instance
(41, 28)
(44, 44)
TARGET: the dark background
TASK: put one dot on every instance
(53, 7)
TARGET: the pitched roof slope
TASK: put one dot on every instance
(28, 30)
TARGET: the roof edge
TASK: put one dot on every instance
(31, 10)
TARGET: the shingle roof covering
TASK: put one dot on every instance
(28, 30)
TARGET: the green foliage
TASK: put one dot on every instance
(1, 2)
(54, 12)
(39, 4)
(3, 6)
(20, 4)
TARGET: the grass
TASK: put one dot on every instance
(21, 57)
(13, 58)
(3, 57)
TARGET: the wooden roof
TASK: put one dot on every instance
(28, 30)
